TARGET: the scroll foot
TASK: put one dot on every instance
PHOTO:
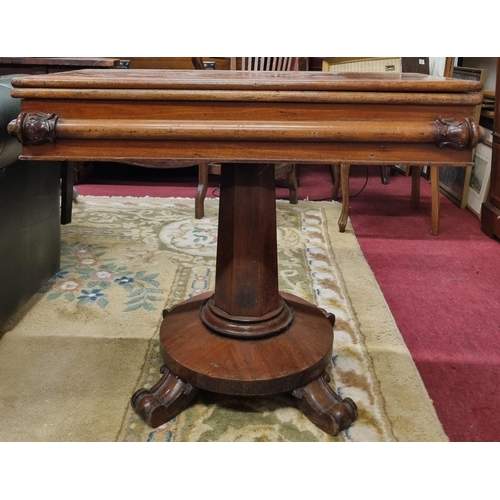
(323, 407)
(329, 316)
(165, 400)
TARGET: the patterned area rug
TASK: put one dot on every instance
(71, 359)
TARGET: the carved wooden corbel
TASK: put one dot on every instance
(34, 128)
(459, 133)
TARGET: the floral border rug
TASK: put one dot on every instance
(96, 324)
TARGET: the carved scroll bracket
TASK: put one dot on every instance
(34, 128)
(459, 133)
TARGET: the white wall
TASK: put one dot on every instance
(436, 65)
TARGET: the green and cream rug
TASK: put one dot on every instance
(72, 358)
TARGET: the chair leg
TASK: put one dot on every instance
(201, 192)
(292, 185)
(383, 175)
(336, 181)
(415, 187)
(67, 182)
(344, 214)
(434, 200)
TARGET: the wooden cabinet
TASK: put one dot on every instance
(490, 217)
(42, 65)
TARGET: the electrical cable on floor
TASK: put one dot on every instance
(354, 195)
(364, 185)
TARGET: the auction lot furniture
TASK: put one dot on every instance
(246, 338)
(30, 235)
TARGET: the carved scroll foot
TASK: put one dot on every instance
(165, 400)
(329, 316)
(323, 407)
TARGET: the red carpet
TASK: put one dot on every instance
(442, 290)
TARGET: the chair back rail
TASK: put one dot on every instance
(265, 63)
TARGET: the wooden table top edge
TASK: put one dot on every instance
(243, 80)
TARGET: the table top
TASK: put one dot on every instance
(244, 80)
(248, 117)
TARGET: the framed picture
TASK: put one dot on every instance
(403, 169)
(454, 181)
(480, 179)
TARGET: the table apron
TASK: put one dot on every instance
(251, 152)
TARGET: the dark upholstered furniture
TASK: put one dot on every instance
(30, 234)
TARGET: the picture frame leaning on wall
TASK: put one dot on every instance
(454, 181)
(480, 179)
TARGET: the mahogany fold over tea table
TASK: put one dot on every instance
(246, 338)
